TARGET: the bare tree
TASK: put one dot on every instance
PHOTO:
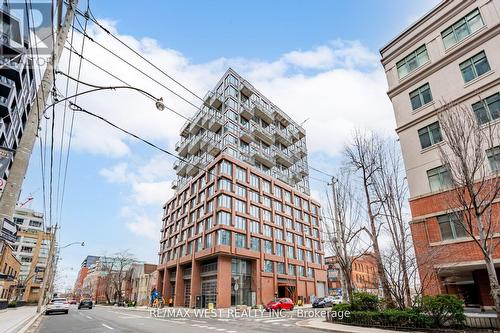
(391, 191)
(474, 187)
(116, 268)
(363, 155)
(343, 229)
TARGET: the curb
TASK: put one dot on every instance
(25, 325)
(305, 323)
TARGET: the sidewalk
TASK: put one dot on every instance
(14, 319)
(322, 324)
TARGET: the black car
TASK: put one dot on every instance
(85, 303)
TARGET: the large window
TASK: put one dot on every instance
(291, 269)
(268, 266)
(254, 227)
(255, 243)
(474, 67)
(224, 201)
(412, 61)
(268, 230)
(240, 240)
(439, 178)
(430, 135)
(223, 237)
(279, 249)
(280, 268)
(240, 222)
(226, 167)
(290, 252)
(225, 184)
(268, 247)
(462, 28)
(420, 96)
(240, 206)
(487, 109)
(241, 174)
(223, 218)
(494, 158)
(451, 226)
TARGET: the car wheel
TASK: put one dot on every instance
(90, 308)
(291, 309)
(66, 312)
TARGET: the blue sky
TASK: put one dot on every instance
(316, 60)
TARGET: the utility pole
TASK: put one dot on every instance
(23, 152)
(48, 270)
(338, 240)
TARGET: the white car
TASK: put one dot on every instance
(57, 305)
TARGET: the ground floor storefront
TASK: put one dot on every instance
(226, 281)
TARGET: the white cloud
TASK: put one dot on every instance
(151, 193)
(143, 224)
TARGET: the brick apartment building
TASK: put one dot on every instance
(82, 274)
(452, 54)
(241, 227)
(364, 275)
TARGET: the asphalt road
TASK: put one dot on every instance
(102, 319)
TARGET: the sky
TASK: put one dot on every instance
(316, 60)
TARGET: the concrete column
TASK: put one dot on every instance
(195, 281)
(224, 282)
(179, 287)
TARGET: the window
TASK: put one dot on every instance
(289, 237)
(268, 266)
(224, 201)
(226, 167)
(288, 196)
(451, 226)
(225, 184)
(254, 196)
(300, 254)
(199, 244)
(290, 252)
(300, 271)
(255, 243)
(430, 135)
(268, 247)
(240, 222)
(223, 218)
(224, 237)
(278, 219)
(291, 269)
(462, 28)
(209, 223)
(493, 155)
(279, 249)
(241, 174)
(266, 201)
(208, 241)
(241, 191)
(255, 227)
(412, 61)
(278, 233)
(268, 231)
(420, 96)
(277, 191)
(487, 109)
(240, 206)
(254, 211)
(439, 178)
(266, 186)
(310, 272)
(240, 240)
(474, 67)
(254, 180)
(280, 268)
(266, 215)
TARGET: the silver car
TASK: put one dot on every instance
(57, 305)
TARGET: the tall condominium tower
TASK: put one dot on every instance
(241, 228)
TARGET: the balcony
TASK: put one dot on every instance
(262, 133)
(282, 157)
(180, 167)
(181, 147)
(215, 122)
(217, 100)
(246, 88)
(246, 110)
(263, 156)
(282, 136)
(264, 112)
(195, 144)
(208, 98)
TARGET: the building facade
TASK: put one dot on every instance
(9, 274)
(241, 228)
(450, 55)
(32, 250)
(82, 273)
(364, 276)
(17, 85)
(139, 283)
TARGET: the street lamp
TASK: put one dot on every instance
(65, 246)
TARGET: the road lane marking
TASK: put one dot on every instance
(199, 321)
(108, 327)
(89, 317)
(221, 329)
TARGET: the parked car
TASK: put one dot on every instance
(326, 302)
(73, 301)
(57, 305)
(280, 304)
(85, 303)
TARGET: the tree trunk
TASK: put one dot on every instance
(494, 286)
(380, 266)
